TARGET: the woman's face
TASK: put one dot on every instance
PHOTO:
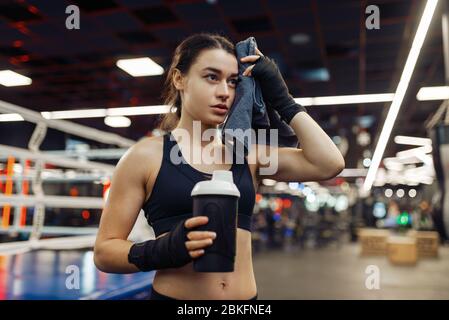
(211, 80)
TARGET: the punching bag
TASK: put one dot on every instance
(440, 140)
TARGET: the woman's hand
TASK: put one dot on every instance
(274, 89)
(252, 58)
(198, 239)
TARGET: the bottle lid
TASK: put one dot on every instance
(222, 183)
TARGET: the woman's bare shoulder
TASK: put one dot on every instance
(143, 156)
(149, 146)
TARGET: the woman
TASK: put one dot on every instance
(203, 74)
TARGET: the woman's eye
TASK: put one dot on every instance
(212, 76)
(235, 81)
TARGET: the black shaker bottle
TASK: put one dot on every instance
(218, 200)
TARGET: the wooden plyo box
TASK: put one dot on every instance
(373, 241)
(427, 243)
(402, 250)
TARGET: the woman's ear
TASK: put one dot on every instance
(178, 79)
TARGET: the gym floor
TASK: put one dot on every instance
(339, 273)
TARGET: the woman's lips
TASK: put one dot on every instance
(222, 110)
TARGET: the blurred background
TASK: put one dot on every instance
(374, 75)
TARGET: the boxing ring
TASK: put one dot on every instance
(45, 275)
(56, 262)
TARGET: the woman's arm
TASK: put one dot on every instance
(316, 145)
(125, 199)
(318, 158)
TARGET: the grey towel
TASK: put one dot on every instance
(249, 110)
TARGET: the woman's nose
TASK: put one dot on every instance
(223, 90)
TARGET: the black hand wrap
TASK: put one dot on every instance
(168, 251)
(274, 90)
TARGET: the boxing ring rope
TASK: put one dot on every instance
(54, 201)
(96, 153)
(86, 236)
(54, 230)
(53, 177)
(63, 243)
(55, 159)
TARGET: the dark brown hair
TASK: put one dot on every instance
(184, 57)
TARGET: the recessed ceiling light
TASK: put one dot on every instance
(140, 67)
(412, 193)
(366, 162)
(10, 78)
(117, 121)
(299, 38)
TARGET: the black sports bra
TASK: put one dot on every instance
(170, 201)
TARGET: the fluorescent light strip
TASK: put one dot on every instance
(413, 141)
(9, 117)
(414, 152)
(268, 182)
(394, 164)
(349, 172)
(136, 111)
(345, 99)
(426, 159)
(93, 113)
(400, 92)
(74, 114)
(161, 109)
(433, 93)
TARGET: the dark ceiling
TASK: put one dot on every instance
(73, 69)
